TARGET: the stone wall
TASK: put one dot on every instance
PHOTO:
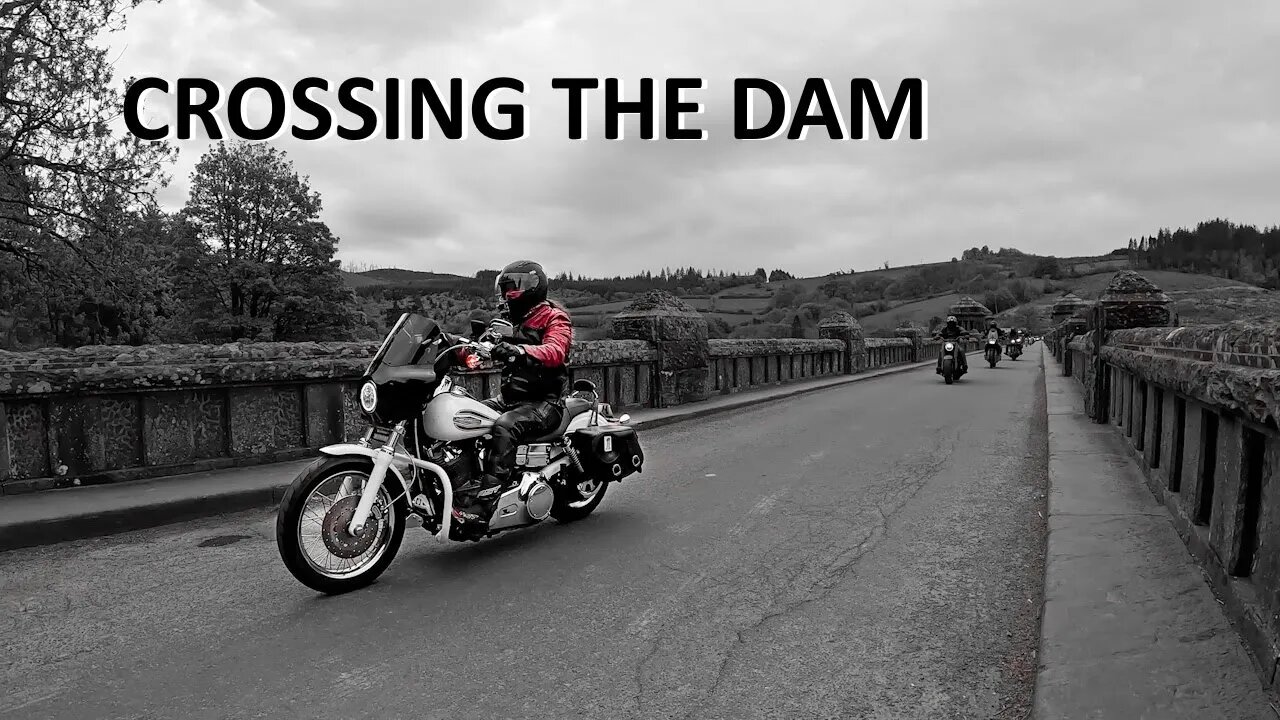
(1199, 407)
(744, 364)
(107, 414)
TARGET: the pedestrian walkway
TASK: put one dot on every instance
(33, 519)
(1131, 629)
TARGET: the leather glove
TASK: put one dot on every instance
(509, 354)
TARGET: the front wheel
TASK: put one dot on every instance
(311, 526)
(574, 502)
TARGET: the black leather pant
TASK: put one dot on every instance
(519, 421)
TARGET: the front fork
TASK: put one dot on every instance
(381, 462)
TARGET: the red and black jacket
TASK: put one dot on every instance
(547, 336)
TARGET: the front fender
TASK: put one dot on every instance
(347, 449)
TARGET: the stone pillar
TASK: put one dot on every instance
(970, 313)
(1132, 301)
(679, 334)
(1065, 307)
(844, 327)
(915, 334)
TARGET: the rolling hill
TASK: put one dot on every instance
(395, 276)
(1196, 296)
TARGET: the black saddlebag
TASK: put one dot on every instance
(608, 453)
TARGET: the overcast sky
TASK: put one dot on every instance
(1055, 127)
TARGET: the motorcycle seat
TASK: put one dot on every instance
(573, 407)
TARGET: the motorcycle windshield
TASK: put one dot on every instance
(410, 342)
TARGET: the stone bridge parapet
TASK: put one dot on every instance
(106, 414)
(1199, 407)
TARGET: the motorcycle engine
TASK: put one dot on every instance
(459, 465)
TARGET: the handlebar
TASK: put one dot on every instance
(483, 348)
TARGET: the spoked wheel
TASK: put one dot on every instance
(575, 502)
(311, 526)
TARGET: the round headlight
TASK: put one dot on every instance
(949, 347)
(368, 397)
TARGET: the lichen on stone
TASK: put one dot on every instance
(754, 347)
(1129, 284)
(840, 318)
(656, 301)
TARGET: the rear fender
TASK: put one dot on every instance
(586, 418)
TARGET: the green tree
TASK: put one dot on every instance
(271, 272)
(57, 152)
(1047, 267)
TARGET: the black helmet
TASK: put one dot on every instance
(520, 287)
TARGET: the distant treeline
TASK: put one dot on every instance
(1217, 247)
(582, 290)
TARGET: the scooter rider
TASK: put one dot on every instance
(534, 375)
(953, 331)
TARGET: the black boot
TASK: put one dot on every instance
(473, 510)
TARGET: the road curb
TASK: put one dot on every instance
(698, 413)
(85, 525)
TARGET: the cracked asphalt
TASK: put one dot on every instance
(872, 551)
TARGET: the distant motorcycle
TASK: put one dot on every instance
(950, 365)
(341, 522)
(1014, 348)
(992, 350)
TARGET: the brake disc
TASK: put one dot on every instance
(336, 538)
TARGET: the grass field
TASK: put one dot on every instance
(1197, 298)
(919, 312)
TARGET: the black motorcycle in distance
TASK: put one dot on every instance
(1014, 348)
(950, 366)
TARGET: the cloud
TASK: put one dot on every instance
(1054, 128)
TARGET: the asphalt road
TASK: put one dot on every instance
(874, 551)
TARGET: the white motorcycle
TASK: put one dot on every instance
(992, 351)
(342, 520)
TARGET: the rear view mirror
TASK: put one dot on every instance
(584, 386)
(477, 328)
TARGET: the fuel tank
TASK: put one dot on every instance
(455, 416)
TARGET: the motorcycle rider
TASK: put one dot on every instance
(1000, 335)
(534, 372)
(953, 331)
